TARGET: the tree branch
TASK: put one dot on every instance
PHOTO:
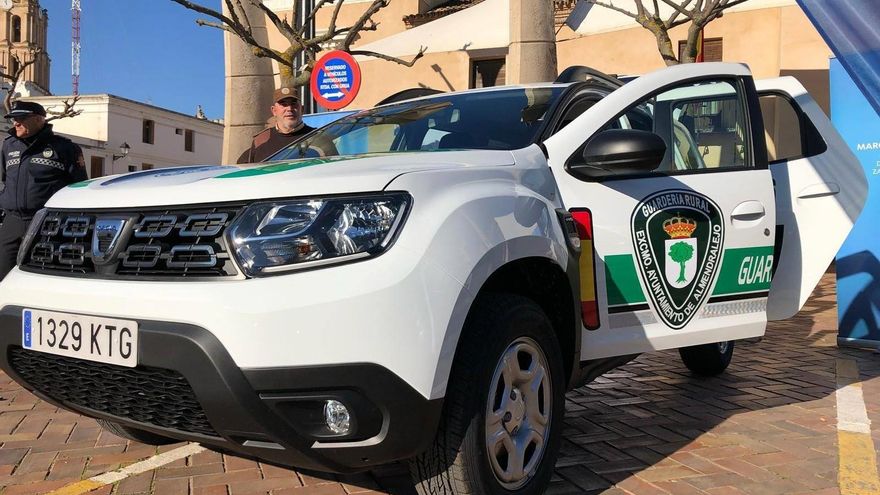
(235, 22)
(720, 11)
(283, 27)
(376, 6)
(674, 16)
(234, 26)
(67, 111)
(332, 26)
(679, 8)
(234, 15)
(390, 58)
(16, 76)
(220, 26)
(615, 8)
(258, 49)
(311, 15)
(640, 8)
(206, 11)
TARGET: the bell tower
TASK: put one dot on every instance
(23, 27)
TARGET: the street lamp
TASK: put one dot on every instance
(123, 151)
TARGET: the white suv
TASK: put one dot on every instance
(426, 279)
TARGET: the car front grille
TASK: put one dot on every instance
(153, 396)
(166, 243)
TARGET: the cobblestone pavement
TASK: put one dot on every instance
(767, 426)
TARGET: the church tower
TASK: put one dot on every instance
(23, 27)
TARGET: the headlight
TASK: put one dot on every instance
(279, 236)
(29, 235)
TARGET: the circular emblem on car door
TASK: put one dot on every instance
(678, 238)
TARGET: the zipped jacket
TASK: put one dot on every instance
(34, 170)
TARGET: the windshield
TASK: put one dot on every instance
(504, 119)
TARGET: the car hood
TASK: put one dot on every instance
(304, 177)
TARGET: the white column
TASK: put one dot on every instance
(249, 87)
(531, 56)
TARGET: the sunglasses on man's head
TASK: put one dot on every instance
(20, 118)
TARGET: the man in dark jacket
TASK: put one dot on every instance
(289, 127)
(35, 165)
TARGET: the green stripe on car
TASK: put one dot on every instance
(743, 270)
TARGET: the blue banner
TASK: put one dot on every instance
(849, 27)
(858, 268)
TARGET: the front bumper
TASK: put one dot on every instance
(187, 386)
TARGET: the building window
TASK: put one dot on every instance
(14, 66)
(132, 168)
(149, 128)
(146, 166)
(485, 73)
(712, 49)
(189, 140)
(178, 131)
(16, 29)
(97, 167)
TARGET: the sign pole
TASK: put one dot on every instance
(305, 92)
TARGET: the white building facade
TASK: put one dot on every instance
(154, 137)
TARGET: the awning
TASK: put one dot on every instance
(485, 25)
(600, 19)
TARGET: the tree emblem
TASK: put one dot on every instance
(681, 253)
(678, 238)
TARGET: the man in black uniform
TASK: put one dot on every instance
(35, 165)
(289, 127)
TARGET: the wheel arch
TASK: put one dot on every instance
(550, 282)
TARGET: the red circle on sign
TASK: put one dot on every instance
(348, 94)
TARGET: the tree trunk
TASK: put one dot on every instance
(690, 50)
(664, 44)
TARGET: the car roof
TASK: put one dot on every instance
(490, 89)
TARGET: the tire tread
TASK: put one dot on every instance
(442, 469)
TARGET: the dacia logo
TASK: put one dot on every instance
(678, 238)
(105, 238)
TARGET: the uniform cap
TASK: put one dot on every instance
(282, 93)
(24, 108)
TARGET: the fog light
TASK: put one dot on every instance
(336, 416)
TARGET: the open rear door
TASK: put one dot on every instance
(820, 190)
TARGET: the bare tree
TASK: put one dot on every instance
(292, 74)
(15, 76)
(696, 12)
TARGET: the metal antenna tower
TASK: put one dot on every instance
(76, 11)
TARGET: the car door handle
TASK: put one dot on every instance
(819, 190)
(747, 211)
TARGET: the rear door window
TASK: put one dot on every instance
(788, 132)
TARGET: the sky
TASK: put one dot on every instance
(150, 51)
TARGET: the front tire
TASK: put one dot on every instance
(708, 359)
(503, 410)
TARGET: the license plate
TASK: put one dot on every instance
(105, 340)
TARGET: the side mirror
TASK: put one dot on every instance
(620, 151)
